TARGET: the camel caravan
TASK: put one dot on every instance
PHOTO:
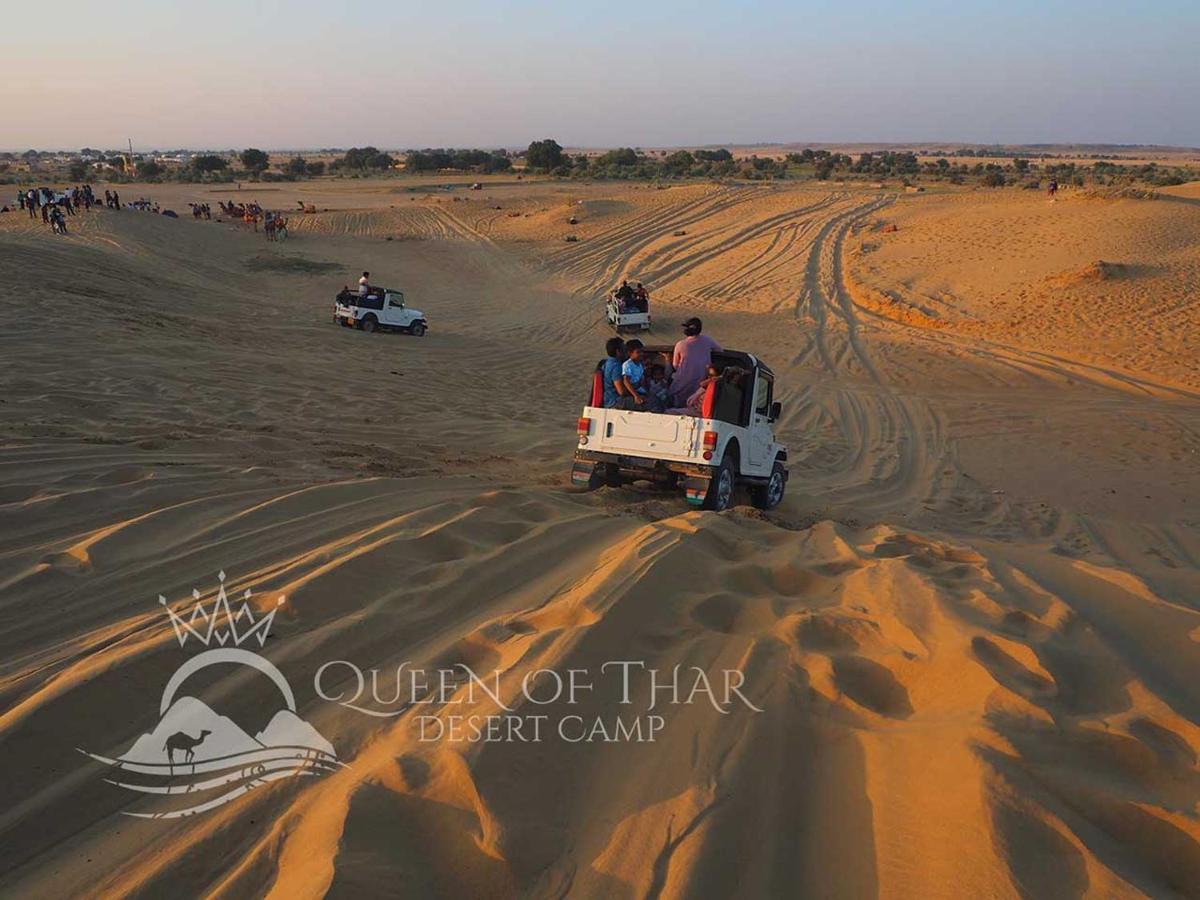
(275, 225)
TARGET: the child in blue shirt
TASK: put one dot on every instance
(633, 372)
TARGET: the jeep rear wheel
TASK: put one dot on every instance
(719, 495)
(769, 495)
(604, 474)
(369, 323)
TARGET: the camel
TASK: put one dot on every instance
(180, 741)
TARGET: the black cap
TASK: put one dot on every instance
(693, 322)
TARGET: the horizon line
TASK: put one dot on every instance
(1082, 145)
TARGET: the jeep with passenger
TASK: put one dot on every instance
(729, 444)
(379, 309)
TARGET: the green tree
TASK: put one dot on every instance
(148, 168)
(316, 167)
(625, 156)
(78, 171)
(679, 161)
(544, 154)
(254, 160)
(993, 178)
(208, 162)
(365, 158)
(297, 166)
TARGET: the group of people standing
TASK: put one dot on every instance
(630, 381)
(55, 206)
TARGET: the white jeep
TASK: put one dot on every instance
(731, 443)
(629, 315)
(382, 308)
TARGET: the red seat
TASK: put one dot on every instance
(597, 389)
(710, 399)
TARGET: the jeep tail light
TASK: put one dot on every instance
(710, 440)
(584, 426)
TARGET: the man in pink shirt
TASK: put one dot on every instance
(691, 359)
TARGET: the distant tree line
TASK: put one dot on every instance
(484, 161)
(823, 165)
(986, 166)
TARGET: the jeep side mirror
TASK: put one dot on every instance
(776, 409)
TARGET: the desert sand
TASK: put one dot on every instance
(972, 627)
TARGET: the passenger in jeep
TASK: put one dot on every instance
(657, 385)
(733, 376)
(633, 374)
(692, 356)
(610, 374)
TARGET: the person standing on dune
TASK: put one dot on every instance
(691, 359)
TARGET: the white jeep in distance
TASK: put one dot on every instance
(731, 443)
(630, 315)
(382, 308)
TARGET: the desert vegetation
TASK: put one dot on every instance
(987, 167)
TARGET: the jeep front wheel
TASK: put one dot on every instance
(770, 495)
(418, 329)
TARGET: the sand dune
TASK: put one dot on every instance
(972, 627)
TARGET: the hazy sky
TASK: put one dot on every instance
(301, 74)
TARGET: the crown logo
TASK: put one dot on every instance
(220, 624)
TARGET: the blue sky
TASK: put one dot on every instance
(397, 74)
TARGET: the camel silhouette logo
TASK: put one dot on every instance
(180, 741)
(195, 759)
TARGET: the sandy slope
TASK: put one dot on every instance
(972, 627)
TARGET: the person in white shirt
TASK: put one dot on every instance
(364, 284)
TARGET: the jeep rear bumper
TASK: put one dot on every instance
(620, 468)
(623, 468)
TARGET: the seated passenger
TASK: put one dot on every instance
(633, 376)
(695, 401)
(657, 386)
(624, 292)
(642, 298)
(610, 374)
